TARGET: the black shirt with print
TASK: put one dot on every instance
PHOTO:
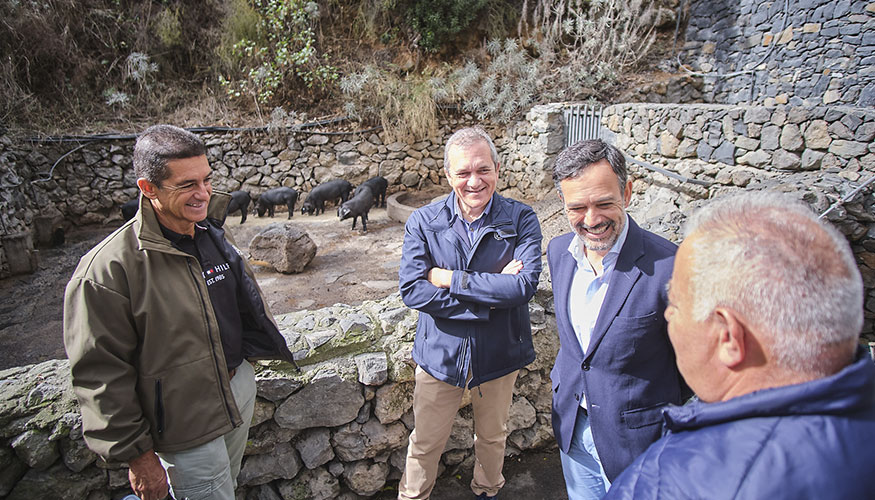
(222, 286)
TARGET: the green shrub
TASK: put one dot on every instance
(436, 21)
(283, 53)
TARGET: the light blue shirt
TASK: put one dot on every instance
(473, 227)
(588, 290)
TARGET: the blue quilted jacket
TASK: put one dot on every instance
(813, 440)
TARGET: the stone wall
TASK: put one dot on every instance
(819, 155)
(822, 52)
(41, 189)
(338, 429)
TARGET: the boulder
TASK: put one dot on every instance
(284, 246)
(307, 407)
(366, 478)
(281, 463)
(315, 447)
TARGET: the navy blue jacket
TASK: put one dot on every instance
(812, 440)
(629, 372)
(481, 322)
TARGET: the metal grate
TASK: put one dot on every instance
(582, 122)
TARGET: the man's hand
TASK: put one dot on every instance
(513, 267)
(441, 278)
(148, 479)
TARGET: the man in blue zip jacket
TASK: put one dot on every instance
(765, 310)
(469, 265)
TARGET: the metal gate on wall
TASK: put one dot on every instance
(582, 122)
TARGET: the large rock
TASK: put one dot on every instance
(366, 478)
(309, 406)
(373, 368)
(264, 438)
(817, 135)
(11, 470)
(356, 442)
(522, 415)
(281, 463)
(35, 449)
(393, 400)
(317, 484)
(315, 447)
(58, 483)
(286, 247)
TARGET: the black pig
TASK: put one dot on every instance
(378, 187)
(358, 206)
(327, 191)
(129, 208)
(240, 201)
(276, 196)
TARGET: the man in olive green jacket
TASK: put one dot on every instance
(159, 321)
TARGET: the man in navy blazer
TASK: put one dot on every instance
(615, 370)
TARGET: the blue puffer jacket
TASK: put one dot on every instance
(482, 320)
(812, 440)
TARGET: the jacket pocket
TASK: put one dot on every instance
(642, 417)
(185, 403)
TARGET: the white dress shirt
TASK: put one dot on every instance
(588, 290)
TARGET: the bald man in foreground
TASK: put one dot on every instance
(765, 310)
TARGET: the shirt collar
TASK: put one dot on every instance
(458, 213)
(175, 237)
(608, 261)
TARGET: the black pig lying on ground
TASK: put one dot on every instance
(378, 187)
(276, 196)
(358, 206)
(239, 201)
(327, 191)
(129, 208)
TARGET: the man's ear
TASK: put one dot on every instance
(627, 193)
(730, 337)
(148, 189)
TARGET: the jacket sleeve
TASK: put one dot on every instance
(497, 290)
(417, 292)
(101, 342)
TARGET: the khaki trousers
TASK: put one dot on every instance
(209, 471)
(435, 405)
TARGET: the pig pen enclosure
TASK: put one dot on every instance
(349, 267)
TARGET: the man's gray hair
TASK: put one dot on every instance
(580, 155)
(466, 137)
(160, 143)
(794, 277)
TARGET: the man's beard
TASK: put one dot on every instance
(612, 229)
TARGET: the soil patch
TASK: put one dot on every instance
(349, 267)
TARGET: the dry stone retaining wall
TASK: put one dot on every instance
(338, 429)
(821, 52)
(820, 155)
(44, 186)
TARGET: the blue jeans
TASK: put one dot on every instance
(585, 478)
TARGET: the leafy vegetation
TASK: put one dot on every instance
(97, 65)
(281, 54)
(436, 21)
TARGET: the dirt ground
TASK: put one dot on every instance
(349, 267)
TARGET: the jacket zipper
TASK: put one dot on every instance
(461, 366)
(159, 407)
(210, 335)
